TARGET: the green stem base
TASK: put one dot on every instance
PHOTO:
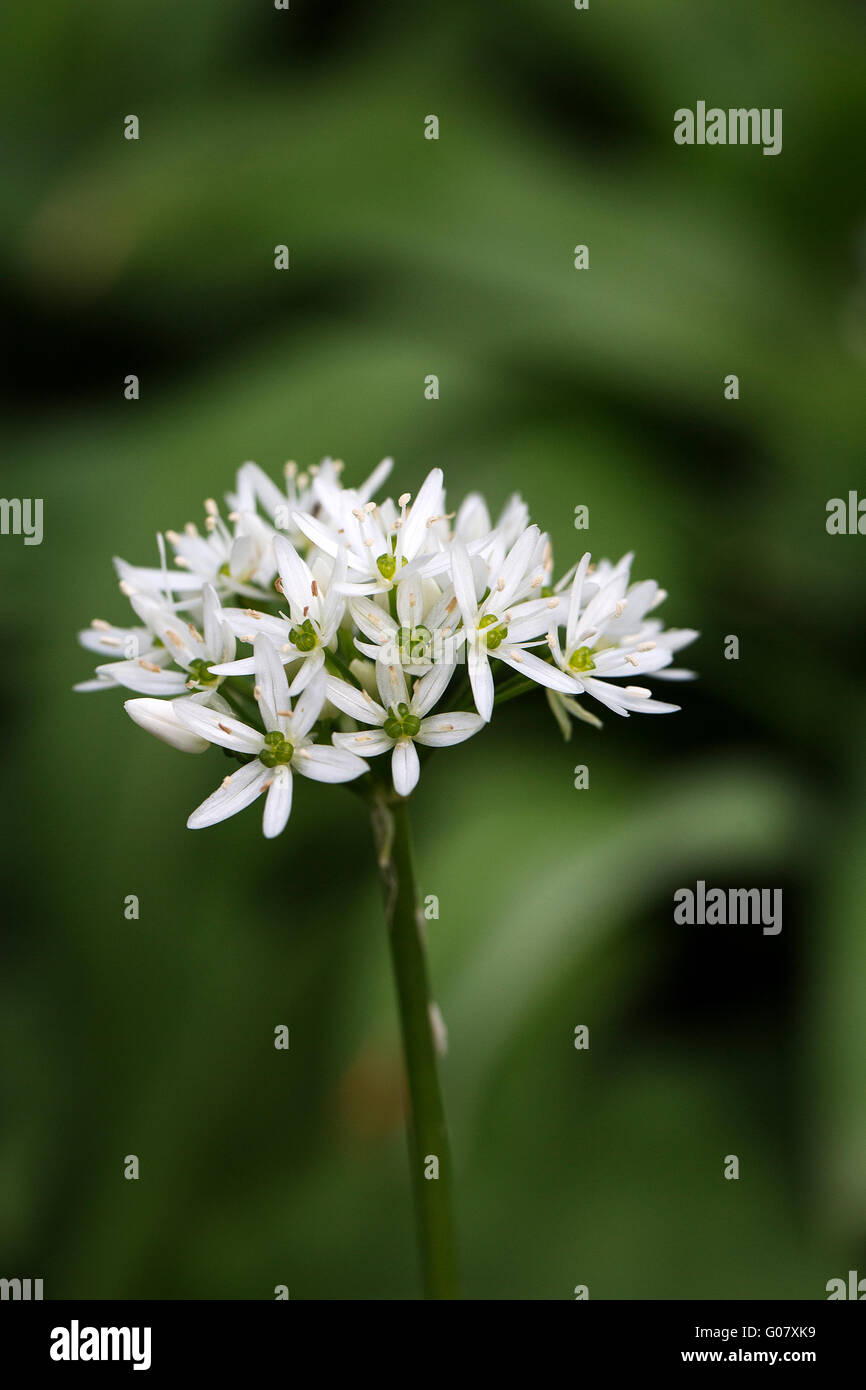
(429, 1148)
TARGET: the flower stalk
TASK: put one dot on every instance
(426, 1125)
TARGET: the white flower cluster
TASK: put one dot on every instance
(358, 614)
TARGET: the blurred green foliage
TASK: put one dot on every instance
(601, 387)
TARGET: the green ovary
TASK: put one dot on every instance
(387, 565)
(581, 660)
(304, 637)
(200, 673)
(277, 751)
(413, 643)
(400, 723)
(495, 632)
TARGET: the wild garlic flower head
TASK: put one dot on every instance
(310, 628)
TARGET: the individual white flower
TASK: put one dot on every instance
(401, 720)
(285, 746)
(311, 628)
(330, 499)
(145, 662)
(238, 560)
(415, 639)
(313, 491)
(611, 637)
(473, 523)
(173, 638)
(121, 643)
(494, 628)
(379, 543)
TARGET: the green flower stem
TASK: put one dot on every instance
(509, 690)
(427, 1129)
(336, 666)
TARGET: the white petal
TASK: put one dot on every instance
(426, 504)
(537, 670)
(356, 703)
(430, 688)
(675, 638)
(376, 479)
(612, 662)
(363, 587)
(405, 767)
(244, 666)
(112, 641)
(574, 602)
(373, 621)
(154, 580)
(481, 679)
(309, 706)
(296, 579)
(158, 718)
(473, 518)
(278, 802)
(620, 701)
(464, 583)
(101, 683)
(219, 728)
(410, 600)
(219, 639)
(323, 763)
(324, 537)
(237, 791)
(441, 730)
(366, 743)
(247, 623)
(309, 667)
(133, 676)
(272, 685)
(514, 567)
(392, 684)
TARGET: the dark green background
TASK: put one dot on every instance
(601, 387)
